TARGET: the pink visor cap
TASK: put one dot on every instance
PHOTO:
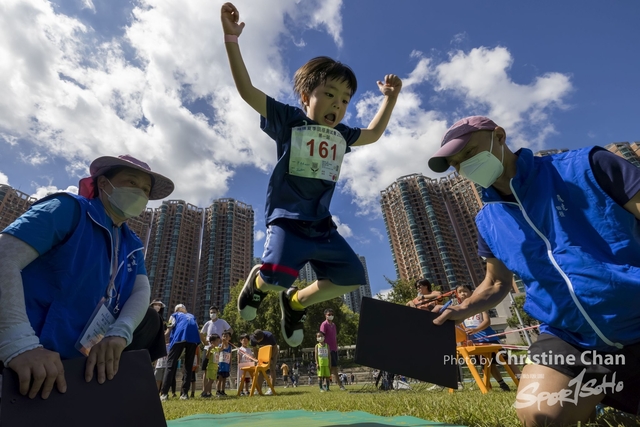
(161, 186)
(456, 138)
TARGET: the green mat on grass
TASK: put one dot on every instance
(300, 418)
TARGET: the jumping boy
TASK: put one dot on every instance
(310, 144)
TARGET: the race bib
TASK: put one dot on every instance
(473, 321)
(323, 351)
(316, 152)
(225, 357)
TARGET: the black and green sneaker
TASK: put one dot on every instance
(292, 321)
(250, 297)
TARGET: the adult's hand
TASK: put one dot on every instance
(42, 366)
(453, 312)
(105, 357)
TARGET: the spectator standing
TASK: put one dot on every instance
(285, 374)
(184, 336)
(330, 331)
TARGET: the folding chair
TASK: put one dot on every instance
(467, 349)
(261, 367)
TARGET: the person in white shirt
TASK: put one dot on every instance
(214, 326)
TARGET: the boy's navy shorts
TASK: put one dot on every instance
(290, 244)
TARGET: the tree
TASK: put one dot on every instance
(268, 318)
(527, 320)
(402, 291)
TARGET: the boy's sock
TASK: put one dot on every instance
(295, 304)
(258, 281)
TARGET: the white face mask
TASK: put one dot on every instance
(213, 316)
(330, 317)
(128, 202)
(484, 168)
(320, 339)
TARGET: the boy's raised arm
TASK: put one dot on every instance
(390, 89)
(229, 16)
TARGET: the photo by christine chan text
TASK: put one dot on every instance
(588, 357)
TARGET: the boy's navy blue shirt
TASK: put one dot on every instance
(290, 196)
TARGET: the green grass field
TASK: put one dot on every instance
(465, 407)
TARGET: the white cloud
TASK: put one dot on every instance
(258, 235)
(51, 189)
(377, 233)
(66, 93)
(73, 96)
(4, 179)
(343, 229)
(383, 294)
(479, 80)
(34, 159)
(459, 38)
(88, 4)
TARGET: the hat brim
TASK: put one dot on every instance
(438, 162)
(162, 186)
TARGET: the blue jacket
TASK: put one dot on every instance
(185, 329)
(575, 248)
(64, 286)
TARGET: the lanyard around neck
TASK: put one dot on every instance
(112, 292)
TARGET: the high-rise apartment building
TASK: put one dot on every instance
(172, 253)
(307, 274)
(353, 300)
(13, 203)
(431, 229)
(227, 252)
(141, 225)
(630, 152)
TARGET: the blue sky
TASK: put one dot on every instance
(85, 78)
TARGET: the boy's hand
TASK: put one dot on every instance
(230, 16)
(391, 86)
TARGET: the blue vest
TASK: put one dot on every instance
(575, 248)
(185, 329)
(62, 287)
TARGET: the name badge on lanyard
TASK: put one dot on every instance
(106, 312)
(316, 152)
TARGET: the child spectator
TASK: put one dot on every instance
(285, 374)
(245, 359)
(212, 356)
(478, 327)
(161, 365)
(323, 361)
(295, 374)
(310, 146)
(224, 363)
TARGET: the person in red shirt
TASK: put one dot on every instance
(328, 328)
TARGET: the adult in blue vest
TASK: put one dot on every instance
(69, 260)
(184, 336)
(569, 226)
